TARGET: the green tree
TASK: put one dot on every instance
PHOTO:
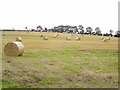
(89, 30)
(111, 32)
(39, 28)
(97, 30)
(80, 29)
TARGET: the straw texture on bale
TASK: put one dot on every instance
(14, 49)
(19, 39)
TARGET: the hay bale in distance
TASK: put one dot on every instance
(19, 39)
(45, 38)
(77, 38)
(54, 36)
(41, 35)
(104, 40)
(68, 38)
(14, 49)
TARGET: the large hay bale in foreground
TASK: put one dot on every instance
(19, 39)
(14, 49)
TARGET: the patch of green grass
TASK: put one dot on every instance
(28, 56)
(77, 64)
(93, 82)
(66, 59)
(71, 69)
(9, 84)
(103, 53)
(49, 80)
(0, 84)
(47, 53)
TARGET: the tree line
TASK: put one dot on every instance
(71, 29)
(78, 29)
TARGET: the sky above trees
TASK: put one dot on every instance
(18, 14)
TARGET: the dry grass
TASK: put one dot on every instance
(89, 63)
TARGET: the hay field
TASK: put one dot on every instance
(58, 63)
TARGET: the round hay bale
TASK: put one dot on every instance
(77, 38)
(45, 38)
(41, 35)
(14, 49)
(55, 35)
(19, 39)
(68, 38)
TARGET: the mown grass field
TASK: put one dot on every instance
(58, 63)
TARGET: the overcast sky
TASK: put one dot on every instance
(18, 14)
